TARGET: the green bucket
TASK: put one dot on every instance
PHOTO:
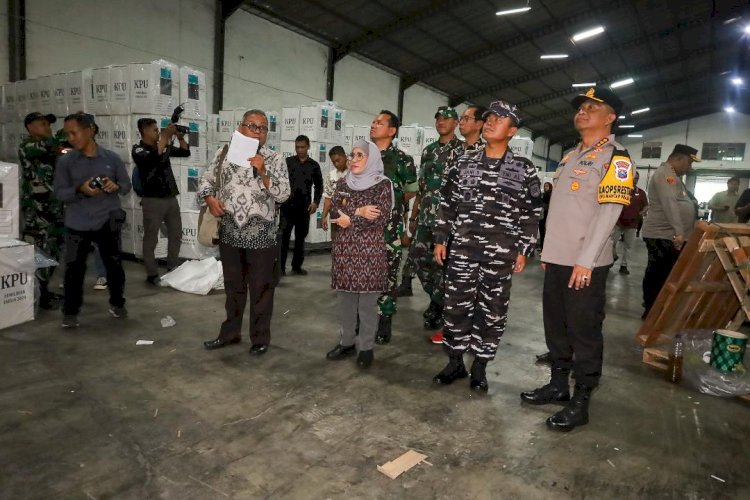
(728, 350)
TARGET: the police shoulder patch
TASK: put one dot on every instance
(671, 180)
(617, 184)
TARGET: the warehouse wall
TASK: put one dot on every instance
(363, 90)
(420, 104)
(77, 34)
(268, 67)
(717, 127)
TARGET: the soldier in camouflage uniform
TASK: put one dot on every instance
(42, 212)
(490, 206)
(425, 210)
(400, 169)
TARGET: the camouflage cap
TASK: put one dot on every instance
(36, 115)
(446, 112)
(503, 108)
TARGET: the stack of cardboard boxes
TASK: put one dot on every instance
(118, 96)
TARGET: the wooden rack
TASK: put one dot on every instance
(708, 288)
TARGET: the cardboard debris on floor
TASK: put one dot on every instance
(396, 467)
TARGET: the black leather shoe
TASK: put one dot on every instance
(383, 335)
(544, 359)
(478, 376)
(365, 359)
(575, 414)
(434, 322)
(218, 343)
(340, 352)
(299, 272)
(547, 394)
(432, 310)
(624, 270)
(404, 289)
(259, 349)
(453, 371)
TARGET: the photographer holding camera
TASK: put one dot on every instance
(89, 180)
(159, 190)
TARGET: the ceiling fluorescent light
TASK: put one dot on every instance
(635, 135)
(585, 84)
(737, 80)
(588, 33)
(553, 56)
(622, 83)
(621, 117)
(747, 29)
(729, 109)
(512, 11)
(627, 126)
(642, 110)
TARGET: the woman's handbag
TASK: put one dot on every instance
(208, 225)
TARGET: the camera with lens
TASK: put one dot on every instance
(97, 182)
(176, 117)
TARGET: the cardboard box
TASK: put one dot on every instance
(119, 90)
(12, 136)
(316, 234)
(9, 102)
(314, 122)
(410, 139)
(319, 152)
(226, 125)
(16, 282)
(10, 208)
(360, 133)
(522, 146)
(32, 95)
(287, 149)
(104, 137)
(121, 136)
(274, 130)
(59, 97)
(100, 86)
(44, 85)
(22, 108)
(153, 88)
(130, 200)
(347, 138)
(190, 248)
(290, 128)
(337, 131)
(193, 93)
(189, 180)
(196, 138)
(212, 128)
(79, 91)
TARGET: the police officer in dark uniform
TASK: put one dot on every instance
(490, 206)
(594, 181)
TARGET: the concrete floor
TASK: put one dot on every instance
(88, 414)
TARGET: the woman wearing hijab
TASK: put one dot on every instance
(359, 206)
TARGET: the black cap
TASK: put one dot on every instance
(599, 95)
(503, 108)
(36, 115)
(684, 149)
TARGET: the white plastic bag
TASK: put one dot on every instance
(195, 276)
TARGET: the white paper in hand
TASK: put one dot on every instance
(241, 148)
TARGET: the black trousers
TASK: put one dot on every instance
(297, 218)
(662, 256)
(252, 271)
(77, 249)
(573, 322)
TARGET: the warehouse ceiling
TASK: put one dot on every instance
(681, 54)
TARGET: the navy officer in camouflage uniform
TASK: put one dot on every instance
(42, 213)
(424, 213)
(592, 184)
(400, 169)
(490, 207)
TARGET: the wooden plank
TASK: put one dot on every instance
(657, 357)
(740, 288)
(396, 467)
(740, 258)
(711, 286)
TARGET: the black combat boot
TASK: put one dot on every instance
(404, 289)
(383, 336)
(454, 370)
(556, 392)
(575, 414)
(478, 375)
(435, 321)
(431, 310)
